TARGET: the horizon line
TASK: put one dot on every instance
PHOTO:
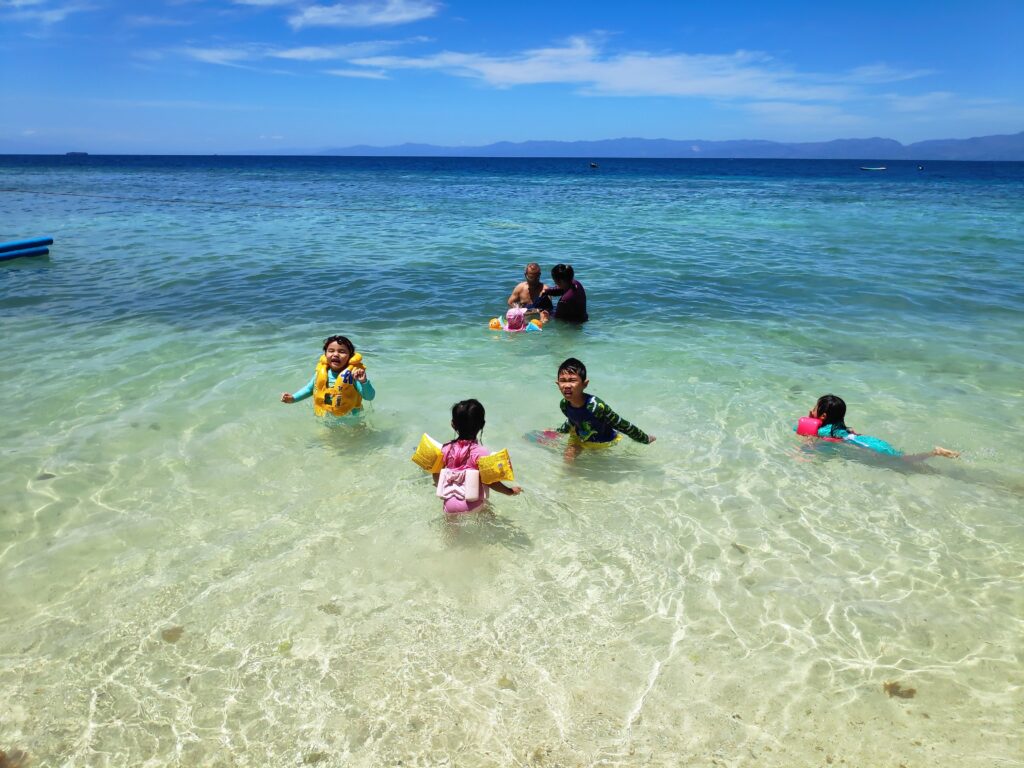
(580, 158)
(636, 148)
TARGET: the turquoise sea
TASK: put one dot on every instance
(195, 574)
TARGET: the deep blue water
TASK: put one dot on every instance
(838, 169)
(701, 238)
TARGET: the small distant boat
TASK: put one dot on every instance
(593, 165)
(76, 154)
(920, 167)
(873, 168)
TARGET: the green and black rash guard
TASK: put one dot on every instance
(596, 422)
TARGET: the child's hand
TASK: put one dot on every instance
(651, 439)
(516, 490)
(287, 398)
(359, 374)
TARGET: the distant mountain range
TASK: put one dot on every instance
(1008, 147)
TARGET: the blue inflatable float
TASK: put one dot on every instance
(15, 249)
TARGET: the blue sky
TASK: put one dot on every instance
(210, 76)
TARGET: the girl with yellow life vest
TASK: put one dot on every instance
(339, 384)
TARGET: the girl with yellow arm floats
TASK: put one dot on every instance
(464, 471)
(339, 384)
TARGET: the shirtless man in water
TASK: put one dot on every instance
(528, 293)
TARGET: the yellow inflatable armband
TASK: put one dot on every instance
(428, 454)
(495, 324)
(496, 467)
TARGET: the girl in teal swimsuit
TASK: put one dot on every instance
(831, 411)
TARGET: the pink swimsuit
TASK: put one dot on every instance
(463, 454)
(515, 320)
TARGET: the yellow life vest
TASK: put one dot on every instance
(344, 397)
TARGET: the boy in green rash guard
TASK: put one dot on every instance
(589, 421)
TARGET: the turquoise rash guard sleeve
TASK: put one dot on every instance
(365, 390)
(307, 390)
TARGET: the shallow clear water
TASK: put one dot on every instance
(192, 573)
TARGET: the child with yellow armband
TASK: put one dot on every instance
(464, 471)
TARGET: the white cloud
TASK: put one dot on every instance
(366, 74)
(883, 73)
(792, 113)
(44, 16)
(946, 105)
(224, 56)
(370, 13)
(171, 104)
(749, 80)
(154, 21)
(924, 102)
(1009, 114)
(743, 74)
(238, 55)
(335, 52)
(149, 54)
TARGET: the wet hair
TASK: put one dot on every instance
(832, 410)
(532, 265)
(343, 341)
(561, 272)
(468, 419)
(572, 365)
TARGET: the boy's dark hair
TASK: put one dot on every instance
(832, 412)
(468, 419)
(572, 365)
(343, 340)
(562, 272)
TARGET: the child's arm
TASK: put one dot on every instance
(500, 487)
(566, 427)
(302, 394)
(602, 411)
(365, 389)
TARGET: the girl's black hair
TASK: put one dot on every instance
(468, 419)
(343, 340)
(832, 410)
(562, 272)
